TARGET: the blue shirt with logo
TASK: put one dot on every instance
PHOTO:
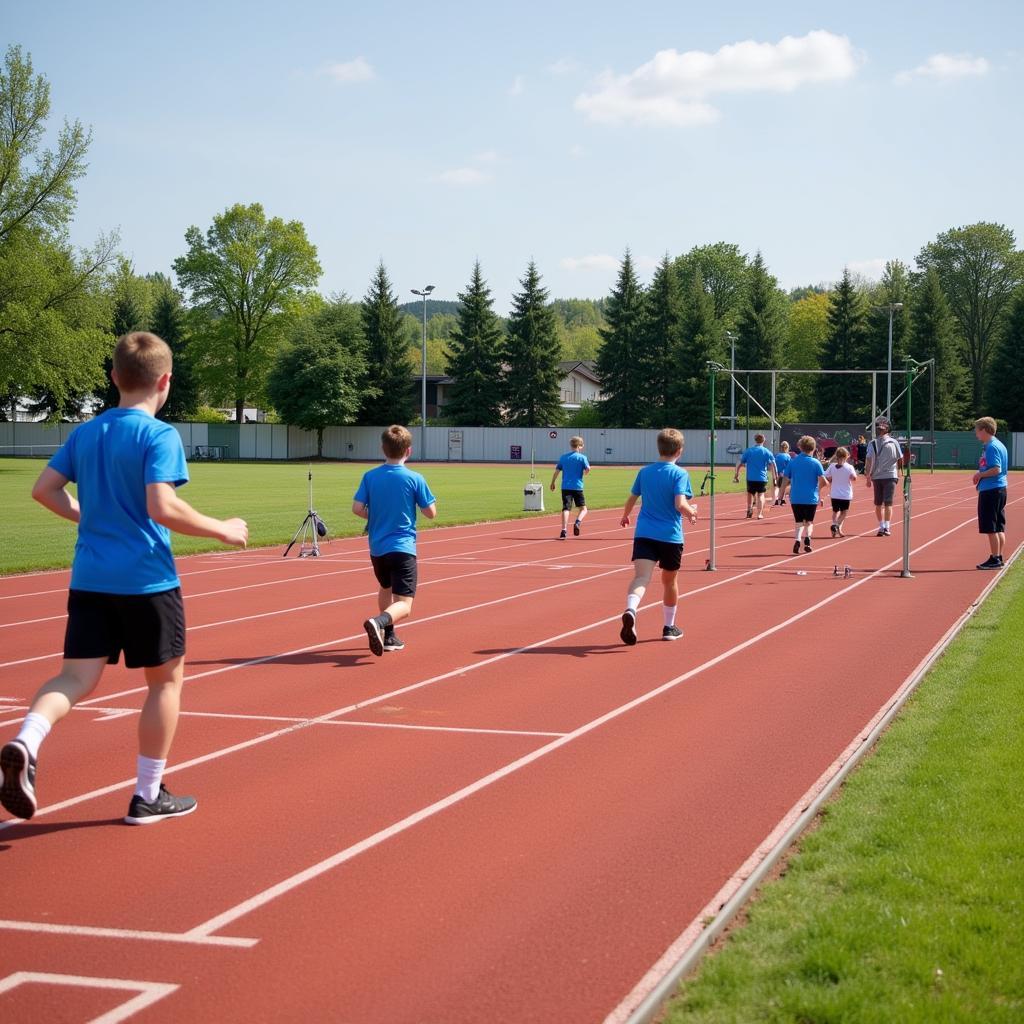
(657, 486)
(993, 454)
(782, 460)
(393, 493)
(572, 465)
(112, 458)
(757, 459)
(804, 471)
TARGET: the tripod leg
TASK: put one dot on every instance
(291, 543)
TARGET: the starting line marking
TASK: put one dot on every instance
(88, 931)
(149, 992)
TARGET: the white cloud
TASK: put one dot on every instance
(564, 66)
(946, 67)
(673, 87)
(488, 156)
(358, 70)
(463, 176)
(518, 86)
(598, 261)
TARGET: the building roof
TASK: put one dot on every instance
(584, 367)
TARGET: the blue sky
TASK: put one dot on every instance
(825, 134)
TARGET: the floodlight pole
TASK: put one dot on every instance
(893, 306)
(732, 386)
(712, 373)
(912, 367)
(423, 393)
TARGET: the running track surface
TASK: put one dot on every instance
(511, 820)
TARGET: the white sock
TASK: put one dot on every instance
(150, 772)
(885, 524)
(670, 614)
(633, 602)
(34, 730)
(799, 530)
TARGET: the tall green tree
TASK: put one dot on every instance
(807, 331)
(893, 289)
(622, 363)
(168, 322)
(474, 358)
(844, 398)
(723, 271)
(389, 398)
(979, 268)
(247, 277)
(128, 314)
(662, 342)
(700, 342)
(1006, 388)
(530, 381)
(761, 331)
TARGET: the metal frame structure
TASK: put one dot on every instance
(914, 368)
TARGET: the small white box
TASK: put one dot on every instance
(533, 498)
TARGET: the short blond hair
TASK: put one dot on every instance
(807, 444)
(842, 454)
(670, 441)
(784, 446)
(575, 442)
(140, 360)
(987, 424)
(396, 441)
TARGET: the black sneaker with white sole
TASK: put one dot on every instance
(141, 812)
(628, 632)
(392, 642)
(807, 545)
(835, 530)
(375, 635)
(18, 791)
(992, 562)
(796, 547)
(576, 528)
(561, 536)
(671, 633)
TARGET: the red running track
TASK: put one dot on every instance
(511, 820)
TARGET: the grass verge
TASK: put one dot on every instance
(907, 902)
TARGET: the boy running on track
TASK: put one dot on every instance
(387, 498)
(757, 459)
(125, 594)
(806, 476)
(663, 489)
(882, 464)
(573, 466)
(990, 481)
(841, 476)
(782, 460)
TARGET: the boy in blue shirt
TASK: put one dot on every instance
(782, 460)
(757, 459)
(125, 594)
(805, 475)
(387, 498)
(990, 480)
(573, 466)
(663, 489)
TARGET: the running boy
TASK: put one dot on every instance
(387, 498)
(573, 466)
(841, 476)
(663, 489)
(125, 594)
(805, 476)
(782, 460)
(990, 481)
(757, 459)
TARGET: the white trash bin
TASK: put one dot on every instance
(533, 498)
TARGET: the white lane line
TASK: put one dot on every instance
(148, 992)
(214, 924)
(88, 931)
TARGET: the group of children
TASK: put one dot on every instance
(125, 594)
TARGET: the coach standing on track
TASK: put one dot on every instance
(882, 469)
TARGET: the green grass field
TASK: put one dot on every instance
(907, 903)
(272, 498)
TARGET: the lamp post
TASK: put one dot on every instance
(423, 392)
(893, 306)
(732, 379)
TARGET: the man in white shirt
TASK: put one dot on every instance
(882, 471)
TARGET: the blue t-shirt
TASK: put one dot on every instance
(657, 486)
(393, 494)
(112, 458)
(804, 471)
(572, 465)
(757, 459)
(782, 460)
(993, 454)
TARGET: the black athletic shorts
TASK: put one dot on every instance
(568, 497)
(756, 486)
(841, 504)
(396, 571)
(992, 510)
(803, 513)
(149, 628)
(665, 553)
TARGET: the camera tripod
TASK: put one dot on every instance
(311, 529)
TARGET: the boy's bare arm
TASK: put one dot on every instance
(685, 508)
(554, 477)
(166, 508)
(361, 510)
(430, 511)
(627, 509)
(49, 491)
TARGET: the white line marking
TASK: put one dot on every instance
(442, 728)
(45, 928)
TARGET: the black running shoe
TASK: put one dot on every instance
(750, 513)
(807, 545)
(796, 547)
(992, 562)
(671, 633)
(835, 530)
(392, 642)
(576, 528)
(164, 806)
(561, 536)
(18, 792)
(375, 635)
(628, 632)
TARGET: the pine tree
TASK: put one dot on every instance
(474, 358)
(761, 330)
(933, 335)
(389, 372)
(166, 321)
(893, 288)
(621, 358)
(127, 316)
(531, 377)
(663, 334)
(700, 342)
(1007, 372)
(844, 398)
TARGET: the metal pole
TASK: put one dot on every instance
(746, 435)
(906, 573)
(874, 399)
(775, 446)
(711, 470)
(423, 394)
(931, 388)
(732, 378)
(888, 378)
